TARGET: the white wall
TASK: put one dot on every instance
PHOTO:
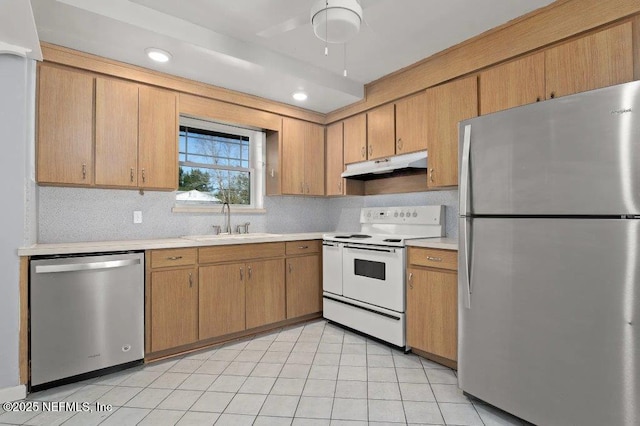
(16, 186)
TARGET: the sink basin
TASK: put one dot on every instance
(211, 237)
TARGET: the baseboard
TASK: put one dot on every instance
(13, 394)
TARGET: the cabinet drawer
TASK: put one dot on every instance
(238, 252)
(443, 259)
(173, 257)
(303, 247)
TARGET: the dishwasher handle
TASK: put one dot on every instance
(73, 267)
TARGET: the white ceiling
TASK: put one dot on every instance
(241, 44)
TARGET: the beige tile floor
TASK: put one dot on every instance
(311, 374)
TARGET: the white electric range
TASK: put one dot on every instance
(364, 270)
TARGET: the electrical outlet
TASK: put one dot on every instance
(137, 216)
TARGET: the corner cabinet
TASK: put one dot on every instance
(302, 158)
(432, 304)
(446, 105)
(105, 132)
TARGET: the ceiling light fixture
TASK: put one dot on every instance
(336, 21)
(158, 55)
(300, 96)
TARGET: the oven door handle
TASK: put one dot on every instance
(371, 249)
(324, 243)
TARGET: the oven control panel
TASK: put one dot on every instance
(426, 215)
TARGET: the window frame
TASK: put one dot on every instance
(257, 154)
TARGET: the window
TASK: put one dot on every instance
(219, 163)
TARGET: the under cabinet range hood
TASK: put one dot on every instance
(383, 166)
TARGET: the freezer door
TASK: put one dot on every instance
(575, 155)
(551, 331)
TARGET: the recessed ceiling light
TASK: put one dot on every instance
(300, 96)
(158, 55)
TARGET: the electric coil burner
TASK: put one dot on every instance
(364, 270)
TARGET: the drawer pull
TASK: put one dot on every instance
(434, 259)
(174, 257)
(190, 280)
(411, 280)
(303, 247)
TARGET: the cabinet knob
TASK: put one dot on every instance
(362, 152)
(370, 150)
(411, 280)
(289, 267)
(144, 176)
(190, 279)
(340, 186)
(84, 171)
(241, 274)
(174, 257)
(434, 259)
(249, 272)
(400, 144)
(431, 175)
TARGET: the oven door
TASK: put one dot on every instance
(374, 274)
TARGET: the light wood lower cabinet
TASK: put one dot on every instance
(432, 305)
(265, 292)
(199, 296)
(174, 308)
(221, 301)
(304, 285)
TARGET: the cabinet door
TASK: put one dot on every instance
(446, 106)
(304, 285)
(157, 139)
(355, 139)
(381, 132)
(174, 308)
(293, 145)
(432, 314)
(334, 158)
(116, 133)
(314, 160)
(222, 300)
(411, 124)
(513, 84)
(598, 60)
(265, 295)
(65, 127)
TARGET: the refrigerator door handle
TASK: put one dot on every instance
(465, 181)
(466, 249)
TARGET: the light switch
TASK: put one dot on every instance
(137, 216)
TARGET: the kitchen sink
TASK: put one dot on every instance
(212, 237)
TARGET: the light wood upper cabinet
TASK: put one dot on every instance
(304, 285)
(65, 127)
(302, 158)
(314, 160)
(355, 139)
(381, 132)
(447, 105)
(513, 84)
(597, 60)
(411, 124)
(158, 139)
(174, 308)
(116, 133)
(221, 301)
(264, 292)
(334, 160)
(432, 315)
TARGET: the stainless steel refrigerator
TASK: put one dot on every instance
(549, 259)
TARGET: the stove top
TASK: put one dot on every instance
(392, 226)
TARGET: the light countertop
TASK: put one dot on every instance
(436, 243)
(161, 243)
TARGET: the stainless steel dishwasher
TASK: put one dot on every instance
(87, 316)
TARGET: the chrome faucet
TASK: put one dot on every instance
(227, 225)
